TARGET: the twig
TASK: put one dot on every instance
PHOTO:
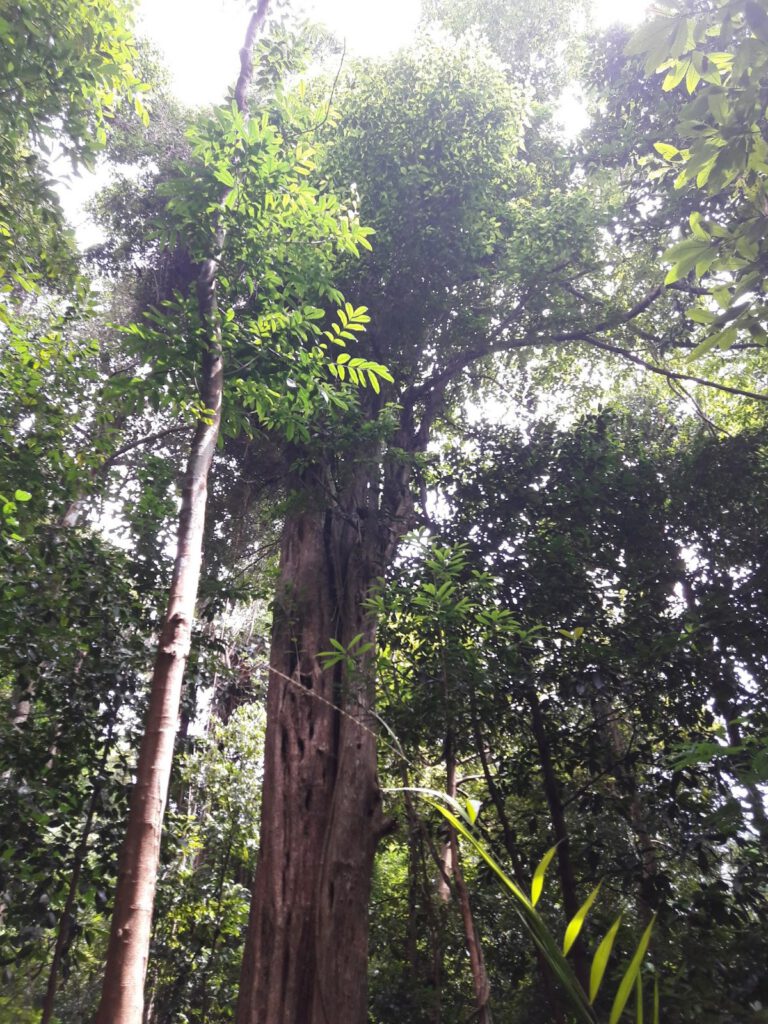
(616, 350)
(321, 122)
(130, 445)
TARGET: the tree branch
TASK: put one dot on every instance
(616, 321)
(624, 353)
(130, 445)
(496, 343)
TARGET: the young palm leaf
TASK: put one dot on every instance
(537, 885)
(577, 921)
(632, 972)
(656, 1000)
(461, 819)
(600, 960)
(533, 922)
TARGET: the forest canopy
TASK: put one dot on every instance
(384, 629)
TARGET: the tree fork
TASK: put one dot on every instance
(122, 999)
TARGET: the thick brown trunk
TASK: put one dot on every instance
(306, 954)
(122, 1000)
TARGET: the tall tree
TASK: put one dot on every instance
(475, 255)
(122, 1000)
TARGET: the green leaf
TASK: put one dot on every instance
(631, 973)
(473, 809)
(699, 315)
(600, 960)
(685, 256)
(22, 496)
(721, 339)
(692, 78)
(514, 889)
(225, 177)
(666, 150)
(656, 1000)
(650, 36)
(577, 921)
(696, 227)
(537, 884)
(676, 75)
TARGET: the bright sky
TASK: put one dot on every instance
(201, 38)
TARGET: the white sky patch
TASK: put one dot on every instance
(571, 115)
(627, 12)
(200, 41)
(201, 38)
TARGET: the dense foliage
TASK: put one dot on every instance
(522, 376)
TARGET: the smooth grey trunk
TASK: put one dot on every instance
(122, 1000)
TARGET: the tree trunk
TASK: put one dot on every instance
(306, 951)
(559, 827)
(607, 725)
(426, 974)
(519, 874)
(67, 917)
(122, 999)
(307, 948)
(480, 983)
(122, 994)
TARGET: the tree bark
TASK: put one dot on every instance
(122, 999)
(426, 975)
(307, 946)
(559, 827)
(607, 725)
(480, 983)
(122, 994)
(306, 954)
